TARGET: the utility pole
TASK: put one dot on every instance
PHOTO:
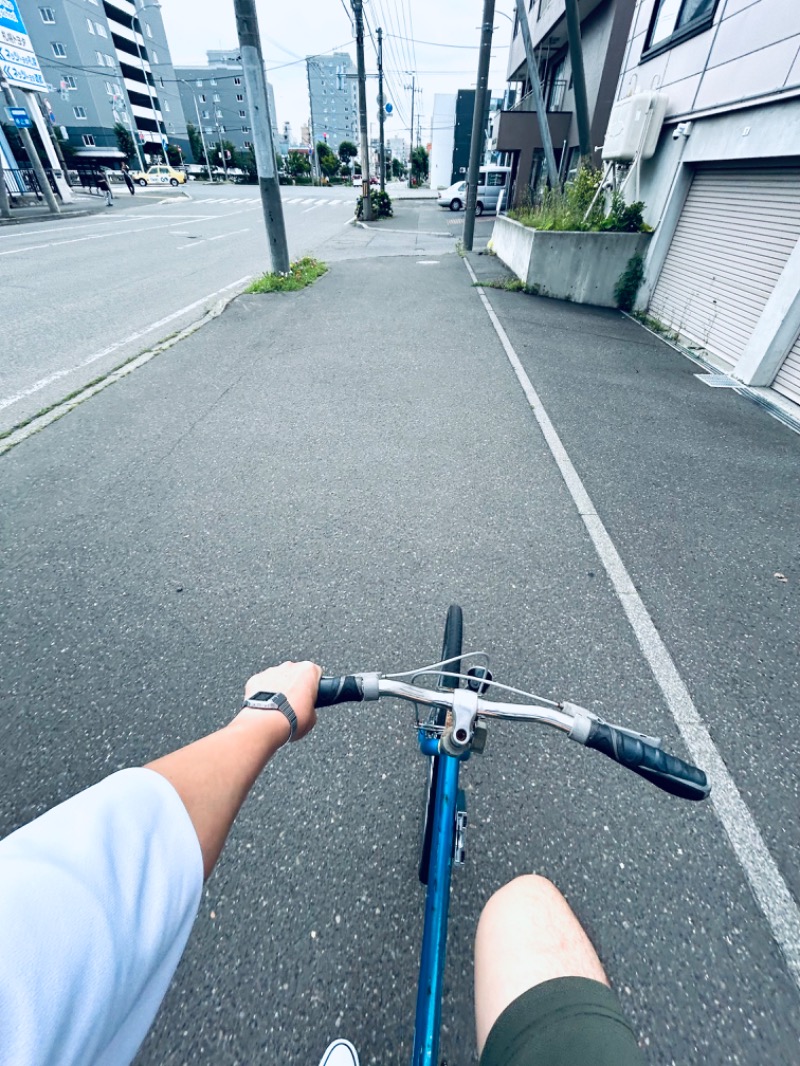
(476, 141)
(536, 86)
(411, 131)
(255, 81)
(5, 208)
(45, 117)
(381, 105)
(221, 148)
(312, 155)
(366, 202)
(578, 77)
(203, 139)
(33, 155)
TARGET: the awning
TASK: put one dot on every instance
(98, 152)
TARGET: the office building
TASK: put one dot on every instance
(333, 91)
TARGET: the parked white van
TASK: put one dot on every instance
(492, 181)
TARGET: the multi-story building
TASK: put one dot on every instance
(722, 188)
(164, 78)
(215, 96)
(333, 91)
(98, 60)
(451, 134)
(604, 26)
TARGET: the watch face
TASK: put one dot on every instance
(263, 697)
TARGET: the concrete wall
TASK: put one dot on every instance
(582, 267)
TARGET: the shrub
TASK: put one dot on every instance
(566, 208)
(629, 281)
(381, 205)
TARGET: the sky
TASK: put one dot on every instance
(290, 31)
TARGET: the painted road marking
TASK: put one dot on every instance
(769, 887)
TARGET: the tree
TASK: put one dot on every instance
(347, 151)
(174, 155)
(419, 163)
(398, 169)
(125, 142)
(196, 144)
(297, 164)
(328, 163)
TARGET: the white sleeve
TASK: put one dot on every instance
(97, 900)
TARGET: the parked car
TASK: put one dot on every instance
(159, 175)
(492, 181)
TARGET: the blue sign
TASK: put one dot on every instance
(389, 109)
(20, 117)
(10, 17)
(18, 63)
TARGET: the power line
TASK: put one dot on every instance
(441, 44)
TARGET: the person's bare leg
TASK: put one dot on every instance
(527, 934)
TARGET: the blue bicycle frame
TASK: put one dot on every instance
(437, 901)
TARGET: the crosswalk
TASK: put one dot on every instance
(307, 202)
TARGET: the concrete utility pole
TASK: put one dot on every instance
(476, 142)
(255, 81)
(578, 77)
(411, 131)
(381, 105)
(33, 155)
(536, 86)
(51, 145)
(222, 149)
(366, 202)
(203, 139)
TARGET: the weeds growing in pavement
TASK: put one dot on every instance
(298, 276)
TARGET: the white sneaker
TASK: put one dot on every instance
(340, 1053)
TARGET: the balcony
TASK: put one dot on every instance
(518, 132)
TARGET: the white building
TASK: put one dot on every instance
(443, 126)
(722, 190)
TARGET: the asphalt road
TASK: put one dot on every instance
(86, 294)
(162, 539)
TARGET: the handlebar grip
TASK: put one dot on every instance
(333, 690)
(666, 771)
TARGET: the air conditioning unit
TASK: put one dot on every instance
(634, 126)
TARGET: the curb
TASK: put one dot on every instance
(83, 212)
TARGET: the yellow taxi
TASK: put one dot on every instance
(159, 175)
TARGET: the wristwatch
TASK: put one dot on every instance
(274, 701)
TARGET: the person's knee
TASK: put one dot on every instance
(520, 896)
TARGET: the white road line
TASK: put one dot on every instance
(77, 240)
(766, 881)
(51, 378)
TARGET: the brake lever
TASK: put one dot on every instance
(581, 712)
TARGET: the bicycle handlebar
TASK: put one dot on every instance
(632, 750)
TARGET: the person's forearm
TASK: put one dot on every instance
(214, 775)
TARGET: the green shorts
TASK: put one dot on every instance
(570, 1021)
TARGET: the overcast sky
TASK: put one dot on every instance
(290, 31)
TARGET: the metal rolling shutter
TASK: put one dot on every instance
(737, 229)
(787, 380)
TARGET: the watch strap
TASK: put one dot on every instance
(274, 701)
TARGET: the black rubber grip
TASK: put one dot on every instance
(668, 772)
(339, 690)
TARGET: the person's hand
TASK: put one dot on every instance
(298, 682)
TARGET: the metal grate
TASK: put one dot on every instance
(719, 381)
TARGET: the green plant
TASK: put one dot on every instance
(300, 274)
(125, 142)
(578, 207)
(297, 164)
(419, 163)
(628, 283)
(328, 162)
(507, 284)
(347, 151)
(381, 205)
(196, 143)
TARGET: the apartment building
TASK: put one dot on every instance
(215, 96)
(723, 186)
(333, 92)
(97, 61)
(605, 26)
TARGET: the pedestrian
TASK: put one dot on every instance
(126, 173)
(104, 185)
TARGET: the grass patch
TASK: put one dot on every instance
(574, 208)
(298, 276)
(507, 284)
(666, 332)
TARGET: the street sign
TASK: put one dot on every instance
(389, 109)
(20, 117)
(18, 63)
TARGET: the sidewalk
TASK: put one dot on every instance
(84, 204)
(320, 474)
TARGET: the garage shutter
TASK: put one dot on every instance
(787, 380)
(735, 234)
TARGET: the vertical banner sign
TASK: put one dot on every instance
(18, 63)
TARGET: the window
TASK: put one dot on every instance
(213, 81)
(216, 98)
(247, 144)
(199, 84)
(90, 26)
(206, 114)
(237, 81)
(109, 60)
(148, 31)
(496, 177)
(242, 114)
(675, 20)
(161, 80)
(68, 82)
(218, 113)
(80, 112)
(166, 105)
(110, 89)
(100, 59)
(101, 30)
(88, 140)
(245, 129)
(59, 51)
(154, 55)
(47, 13)
(239, 97)
(202, 98)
